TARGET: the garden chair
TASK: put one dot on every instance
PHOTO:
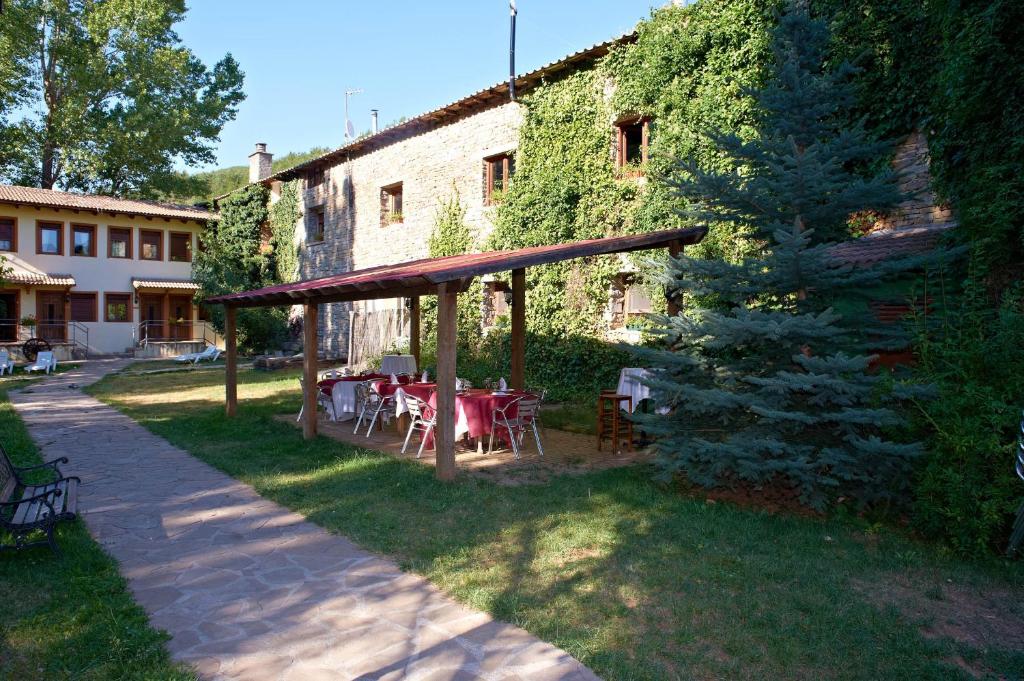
(368, 403)
(418, 421)
(380, 403)
(322, 400)
(45, 362)
(6, 363)
(27, 508)
(211, 353)
(1017, 536)
(516, 427)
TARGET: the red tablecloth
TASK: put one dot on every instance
(474, 410)
(420, 390)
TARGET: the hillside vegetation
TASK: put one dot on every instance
(211, 183)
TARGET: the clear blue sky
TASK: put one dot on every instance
(299, 56)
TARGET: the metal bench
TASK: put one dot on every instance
(26, 508)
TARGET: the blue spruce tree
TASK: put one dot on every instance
(766, 382)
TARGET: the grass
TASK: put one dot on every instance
(636, 581)
(70, 618)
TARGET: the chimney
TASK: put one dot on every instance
(373, 121)
(260, 163)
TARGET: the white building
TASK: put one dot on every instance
(99, 275)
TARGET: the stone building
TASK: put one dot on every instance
(374, 200)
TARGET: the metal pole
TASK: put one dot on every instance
(512, 51)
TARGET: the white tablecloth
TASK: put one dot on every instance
(343, 394)
(398, 364)
(629, 384)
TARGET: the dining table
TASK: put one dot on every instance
(474, 412)
(342, 391)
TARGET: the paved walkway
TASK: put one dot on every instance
(248, 589)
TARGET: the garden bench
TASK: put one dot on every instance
(25, 508)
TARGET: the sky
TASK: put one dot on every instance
(408, 57)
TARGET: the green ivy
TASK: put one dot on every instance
(233, 259)
(283, 216)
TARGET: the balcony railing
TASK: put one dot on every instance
(56, 331)
(162, 331)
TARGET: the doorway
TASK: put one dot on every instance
(9, 316)
(151, 309)
(50, 317)
(181, 317)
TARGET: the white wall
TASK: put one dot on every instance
(95, 274)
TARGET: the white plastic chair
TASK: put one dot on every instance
(368, 401)
(322, 400)
(419, 422)
(382, 403)
(526, 418)
(45, 362)
(211, 353)
(5, 363)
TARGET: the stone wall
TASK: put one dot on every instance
(922, 207)
(431, 166)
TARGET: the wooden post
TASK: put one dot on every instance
(674, 249)
(166, 329)
(230, 361)
(519, 329)
(309, 367)
(444, 431)
(414, 329)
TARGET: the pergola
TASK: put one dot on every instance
(444, 277)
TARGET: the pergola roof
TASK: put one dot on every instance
(421, 277)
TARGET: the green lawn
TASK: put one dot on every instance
(70, 618)
(636, 581)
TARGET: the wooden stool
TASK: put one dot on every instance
(610, 423)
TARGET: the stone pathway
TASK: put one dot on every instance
(248, 589)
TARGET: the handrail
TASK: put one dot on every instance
(70, 331)
(159, 330)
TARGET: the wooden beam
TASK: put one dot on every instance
(444, 431)
(414, 329)
(519, 328)
(230, 361)
(309, 367)
(675, 248)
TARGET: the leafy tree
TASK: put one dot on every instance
(100, 95)
(235, 258)
(766, 380)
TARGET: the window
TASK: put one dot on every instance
(119, 242)
(631, 144)
(316, 219)
(181, 247)
(83, 307)
(83, 240)
(391, 204)
(151, 245)
(627, 299)
(8, 234)
(50, 238)
(117, 307)
(499, 170)
(315, 178)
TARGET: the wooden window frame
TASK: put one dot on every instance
(621, 163)
(160, 246)
(14, 233)
(170, 244)
(95, 306)
(387, 204)
(82, 226)
(316, 229)
(129, 253)
(507, 162)
(106, 309)
(40, 225)
(316, 177)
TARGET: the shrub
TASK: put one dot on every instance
(966, 492)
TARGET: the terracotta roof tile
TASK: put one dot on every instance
(40, 279)
(890, 243)
(33, 196)
(184, 284)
